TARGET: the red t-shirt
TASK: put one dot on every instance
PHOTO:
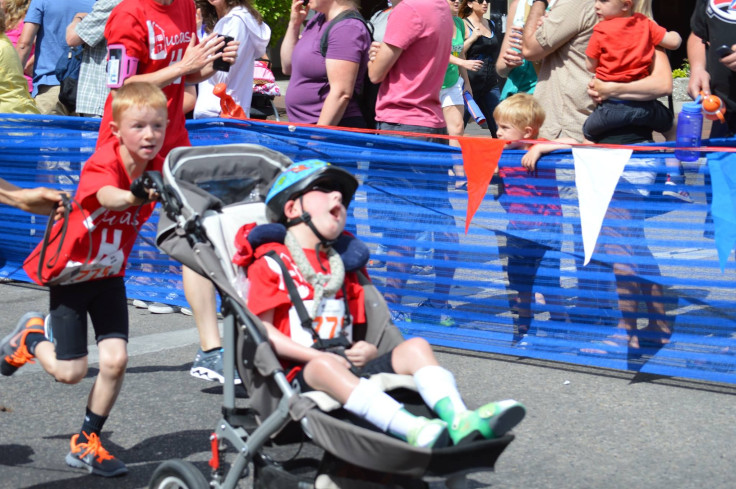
(98, 241)
(532, 198)
(157, 35)
(624, 47)
(267, 290)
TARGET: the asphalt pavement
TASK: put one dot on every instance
(585, 428)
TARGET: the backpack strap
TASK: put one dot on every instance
(347, 14)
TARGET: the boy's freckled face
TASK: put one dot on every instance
(142, 131)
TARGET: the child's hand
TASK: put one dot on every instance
(529, 160)
(342, 360)
(361, 353)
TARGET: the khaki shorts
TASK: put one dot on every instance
(47, 100)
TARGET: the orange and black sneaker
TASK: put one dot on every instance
(92, 457)
(13, 350)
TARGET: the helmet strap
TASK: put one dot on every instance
(306, 218)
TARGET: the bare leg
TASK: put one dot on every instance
(66, 371)
(329, 375)
(394, 268)
(627, 289)
(200, 294)
(113, 360)
(411, 355)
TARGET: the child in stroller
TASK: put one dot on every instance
(205, 206)
(305, 273)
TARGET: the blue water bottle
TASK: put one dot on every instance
(689, 128)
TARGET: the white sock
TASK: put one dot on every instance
(372, 404)
(401, 423)
(435, 383)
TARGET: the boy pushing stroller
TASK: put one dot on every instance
(305, 273)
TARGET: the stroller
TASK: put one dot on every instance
(207, 194)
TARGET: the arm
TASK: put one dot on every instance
(25, 41)
(40, 200)
(529, 160)
(117, 199)
(591, 64)
(657, 84)
(465, 65)
(470, 38)
(192, 65)
(511, 46)
(72, 38)
(381, 58)
(190, 98)
(341, 76)
(671, 41)
(699, 77)
(298, 14)
(288, 349)
(531, 49)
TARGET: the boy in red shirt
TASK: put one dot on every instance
(310, 199)
(85, 271)
(621, 49)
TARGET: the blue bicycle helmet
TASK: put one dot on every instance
(298, 179)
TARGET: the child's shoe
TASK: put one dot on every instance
(92, 457)
(431, 312)
(493, 420)
(674, 191)
(428, 433)
(13, 350)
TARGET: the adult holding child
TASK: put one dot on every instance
(483, 43)
(241, 21)
(322, 86)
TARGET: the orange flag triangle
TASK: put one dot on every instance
(480, 160)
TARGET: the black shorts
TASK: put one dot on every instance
(379, 365)
(106, 303)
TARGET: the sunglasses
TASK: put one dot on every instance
(483, 1)
(327, 187)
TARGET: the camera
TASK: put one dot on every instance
(220, 64)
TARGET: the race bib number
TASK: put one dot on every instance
(329, 323)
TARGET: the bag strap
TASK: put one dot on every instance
(347, 14)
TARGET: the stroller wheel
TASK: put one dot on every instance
(178, 474)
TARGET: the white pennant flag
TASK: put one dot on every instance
(597, 171)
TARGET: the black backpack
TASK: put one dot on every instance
(67, 72)
(367, 95)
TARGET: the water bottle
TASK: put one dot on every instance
(473, 108)
(689, 129)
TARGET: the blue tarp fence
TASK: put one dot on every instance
(656, 265)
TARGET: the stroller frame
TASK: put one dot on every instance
(196, 229)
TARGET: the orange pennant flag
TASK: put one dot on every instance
(480, 160)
